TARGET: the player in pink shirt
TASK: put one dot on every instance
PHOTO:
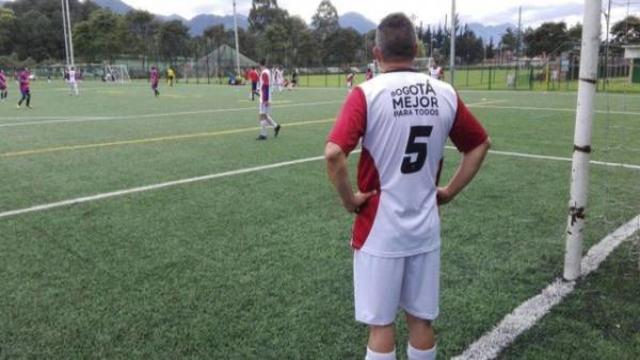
(3, 86)
(23, 79)
(155, 80)
(402, 119)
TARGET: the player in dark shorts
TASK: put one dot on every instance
(155, 79)
(253, 77)
(24, 88)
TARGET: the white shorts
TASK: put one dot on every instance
(265, 109)
(382, 285)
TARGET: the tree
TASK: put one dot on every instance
(509, 40)
(141, 26)
(489, 52)
(469, 47)
(45, 40)
(275, 43)
(264, 13)
(626, 31)
(341, 47)
(548, 38)
(325, 20)
(575, 33)
(102, 37)
(303, 45)
(246, 40)
(173, 40)
(34, 29)
(7, 29)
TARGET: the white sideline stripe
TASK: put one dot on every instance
(528, 313)
(531, 108)
(557, 158)
(103, 196)
(57, 120)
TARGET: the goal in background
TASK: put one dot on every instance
(423, 64)
(116, 74)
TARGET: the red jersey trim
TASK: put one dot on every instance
(368, 180)
(466, 133)
(351, 123)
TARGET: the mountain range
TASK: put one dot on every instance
(355, 20)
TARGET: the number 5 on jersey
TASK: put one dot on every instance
(416, 147)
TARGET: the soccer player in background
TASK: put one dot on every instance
(73, 82)
(350, 78)
(171, 76)
(155, 80)
(280, 78)
(265, 118)
(253, 77)
(404, 119)
(436, 71)
(368, 75)
(3, 86)
(23, 80)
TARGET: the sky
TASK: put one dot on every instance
(534, 12)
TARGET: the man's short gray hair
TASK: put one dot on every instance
(396, 37)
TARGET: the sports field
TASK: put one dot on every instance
(136, 227)
(491, 79)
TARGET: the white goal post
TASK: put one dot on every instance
(582, 139)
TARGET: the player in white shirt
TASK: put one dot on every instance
(403, 119)
(72, 81)
(436, 71)
(265, 118)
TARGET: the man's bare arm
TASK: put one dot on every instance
(339, 176)
(471, 163)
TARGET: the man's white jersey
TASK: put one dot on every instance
(72, 76)
(404, 119)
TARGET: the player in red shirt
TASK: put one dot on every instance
(402, 118)
(3, 86)
(155, 80)
(253, 77)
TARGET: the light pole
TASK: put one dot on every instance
(235, 26)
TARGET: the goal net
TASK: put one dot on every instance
(116, 74)
(423, 64)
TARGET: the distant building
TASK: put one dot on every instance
(632, 53)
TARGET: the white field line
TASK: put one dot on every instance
(102, 196)
(57, 120)
(528, 313)
(140, 189)
(570, 110)
(557, 158)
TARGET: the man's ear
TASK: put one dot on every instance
(377, 54)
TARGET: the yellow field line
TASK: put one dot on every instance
(150, 140)
(172, 137)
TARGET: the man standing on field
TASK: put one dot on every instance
(265, 118)
(25, 91)
(73, 82)
(404, 119)
(3, 86)
(155, 80)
